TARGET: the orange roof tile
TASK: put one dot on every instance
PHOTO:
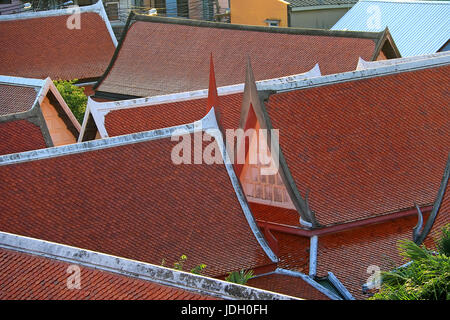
(20, 281)
(15, 99)
(275, 214)
(29, 51)
(20, 136)
(23, 126)
(349, 254)
(162, 55)
(146, 207)
(131, 120)
(366, 147)
(286, 284)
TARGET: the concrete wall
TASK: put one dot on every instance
(318, 18)
(255, 12)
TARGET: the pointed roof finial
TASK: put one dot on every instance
(213, 97)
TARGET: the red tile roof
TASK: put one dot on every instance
(132, 201)
(293, 251)
(275, 214)
(29, 51)
(286, 284)
(349, 254)
(20, 136)
(15, 99)
(131, 120)
(162, 55)
(20, 281)
(369, 146)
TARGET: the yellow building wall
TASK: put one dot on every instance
(256, 12)
(58, 130)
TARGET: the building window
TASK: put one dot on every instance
(258, 186)
(273, 23)
(112, 10)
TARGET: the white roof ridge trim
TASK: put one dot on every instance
(94, 8)
(21, 81)
(371, 73)
(363, 64)
(100, 109)
(136, 269)
(14, 158)
(267, 84)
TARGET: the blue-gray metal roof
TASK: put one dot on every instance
(417, 27)
(313, 3)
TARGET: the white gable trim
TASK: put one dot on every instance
(363, 64)
(99, 110)
(382, 70)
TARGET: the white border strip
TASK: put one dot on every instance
(371, 73)
(64, 150)
(99, 110)
(313, 256)
(23, 82)
(136, 269)
(363, 64)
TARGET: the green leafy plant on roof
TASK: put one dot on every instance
(239, 277)
(426, 278)
(179, 265)
(74, 97)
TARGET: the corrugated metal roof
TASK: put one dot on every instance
(313, 3)
(418, 27)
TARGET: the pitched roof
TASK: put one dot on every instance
(20, 136)
(349, 254)
(15, 99)
(418, 27)
(292, 283)
(20, 281)
(168, 210)
(135, 115)
(23, 126)
(349, 147)
(165, 55)
(69, 53)
(101, 276)
(362, 64)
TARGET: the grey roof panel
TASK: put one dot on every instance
(417, 27)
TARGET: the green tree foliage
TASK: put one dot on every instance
(74, 97)
(427, 277)
(179, 265)
(239, 277)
